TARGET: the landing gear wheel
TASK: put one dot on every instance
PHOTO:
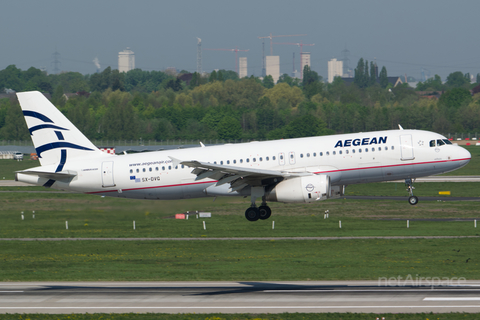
(413, 200)
(252, 214)
(265, 212)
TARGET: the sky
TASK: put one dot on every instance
(404, 36)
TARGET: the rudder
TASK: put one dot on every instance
(55, 138)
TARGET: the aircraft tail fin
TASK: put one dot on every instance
(55, 138)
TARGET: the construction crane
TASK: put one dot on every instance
(271, 45)
(236, 55)
(300, 44)
(271, 39)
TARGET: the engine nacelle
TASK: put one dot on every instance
(302, 189)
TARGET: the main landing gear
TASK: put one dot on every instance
(263, 212)
(413, 200)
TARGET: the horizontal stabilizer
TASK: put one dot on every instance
(61, 175)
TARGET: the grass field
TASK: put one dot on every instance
(265, 260)
(218, 316)
(93, 216)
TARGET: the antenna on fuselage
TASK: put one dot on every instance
(201, 144)
(400, 127)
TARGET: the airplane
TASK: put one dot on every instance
(302, 170)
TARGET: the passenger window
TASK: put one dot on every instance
(144, 170)
(163, 168)
(156, 168)
(353, 150)
(393, 147)
(260, 159)
(281, 157)
(234, 161)
(267, 158)
(366, 149)
(254, 160)
(248, 160)
(221, 162)
(273, 158)
(314, 154)
(334, 153)
(308, 155)
(440, 142)
(379, 148)
(241, 160)
(228, 161)
(321, 154)
(373, 149)
(340, 152)
(150, 169)
(131, 170)
(169, 167)
(432, 143)
(327, 153)
(346, 151)
(183, 166)
(301, 155)
(291, 156)
(214, 162)
(386, 148)
(176, 167)
(359, 150)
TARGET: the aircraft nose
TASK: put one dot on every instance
(465, 154)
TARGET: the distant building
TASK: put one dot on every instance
(335, 69)
(186, 77)
(304, 61)
(273, 67)
(172, 71)
(242, 67)
(126, 60)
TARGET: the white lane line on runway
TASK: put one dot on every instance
(451, 299)
(379, 290)
(245, 307)
(11, 291)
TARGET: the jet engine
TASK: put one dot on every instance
(302, 189)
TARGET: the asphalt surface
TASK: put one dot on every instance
(404, 296)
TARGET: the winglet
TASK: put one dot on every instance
(175, 161)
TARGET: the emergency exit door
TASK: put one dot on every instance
(107, 174)
(406, 147)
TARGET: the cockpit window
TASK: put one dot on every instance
(447, 141)
(440, 142)
(432, 143)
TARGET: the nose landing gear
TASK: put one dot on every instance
(413, 200)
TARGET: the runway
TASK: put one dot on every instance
(241, 297)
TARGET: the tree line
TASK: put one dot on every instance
(154, 105)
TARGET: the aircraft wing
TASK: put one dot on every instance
(238, 177)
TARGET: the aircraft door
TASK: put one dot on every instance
(281, 158)
(291, 157)
(107, 174)
(406, 147)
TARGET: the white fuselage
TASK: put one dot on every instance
(347, 159)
